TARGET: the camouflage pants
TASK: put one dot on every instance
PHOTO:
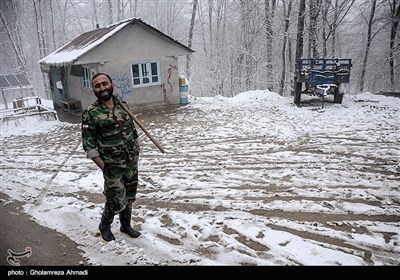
(120, 185)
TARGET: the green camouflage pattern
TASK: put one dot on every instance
(112, 135)
(109, 133)
(120, 185)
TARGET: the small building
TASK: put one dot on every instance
(141, 60)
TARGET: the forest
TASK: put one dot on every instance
(239, 45)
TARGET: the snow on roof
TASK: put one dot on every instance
(67, 54)
(70, 52)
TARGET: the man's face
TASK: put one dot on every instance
(102, 88)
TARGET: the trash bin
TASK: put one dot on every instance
(183, 90)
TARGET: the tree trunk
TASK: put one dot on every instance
(41, 35)
(63, 16)
(119, 10)
(77, 17)
(315, 6)
(95, 12)
(285, 39)
(368, 45)
(395, 24)
(36, 6)
(135, 11)
(53, 31)
(188, 74)
(325, 26)
(110, 11)
(334, 25)
(299, 46)
(15, 43)
(269, 18)
(247, 33)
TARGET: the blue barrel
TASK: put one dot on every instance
(183, 90)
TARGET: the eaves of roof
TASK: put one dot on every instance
(69, 53)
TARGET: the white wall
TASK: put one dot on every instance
(134, 44)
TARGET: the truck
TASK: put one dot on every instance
(321, 77)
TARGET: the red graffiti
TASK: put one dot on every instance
(164, 92)
(169, 76)
(168, 81)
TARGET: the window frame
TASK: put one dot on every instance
(147, 67)
(86, 79)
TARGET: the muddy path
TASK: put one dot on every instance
(320, 178)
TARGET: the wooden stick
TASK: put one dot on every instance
(133, 117)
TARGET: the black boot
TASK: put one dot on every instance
(125, 219)
(105, 225)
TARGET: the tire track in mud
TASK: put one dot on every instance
(228, 162)
(41, 155)
(317, 151)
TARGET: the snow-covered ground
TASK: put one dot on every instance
(249, 180)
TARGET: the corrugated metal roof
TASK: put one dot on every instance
(67, 54)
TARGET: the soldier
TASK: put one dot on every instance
(110, 139)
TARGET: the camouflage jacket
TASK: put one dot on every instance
(109, 133)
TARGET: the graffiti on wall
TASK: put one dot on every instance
(123, 83)
(171, 87)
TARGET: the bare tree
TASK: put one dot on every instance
(325, 25)
(53, 30)
(239, 44)
(63, 19)
(299, 45)
(285, 39)
(341, 10)
(212, 25)
(110, 11)
(334, 25)
(95, 11)
(192, 21)
(40, 27)
(315, 8)
(120, 10)
(250, 27)
(133, 8)
(42, 39)
(368, 45)
(270, 6)
(395, 11)
(245, 46)
(14, 37)
(77, 16)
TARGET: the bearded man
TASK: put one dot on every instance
(110, 139)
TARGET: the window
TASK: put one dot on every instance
(86, 78)
(146, 73)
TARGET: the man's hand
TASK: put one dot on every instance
(99, 162)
